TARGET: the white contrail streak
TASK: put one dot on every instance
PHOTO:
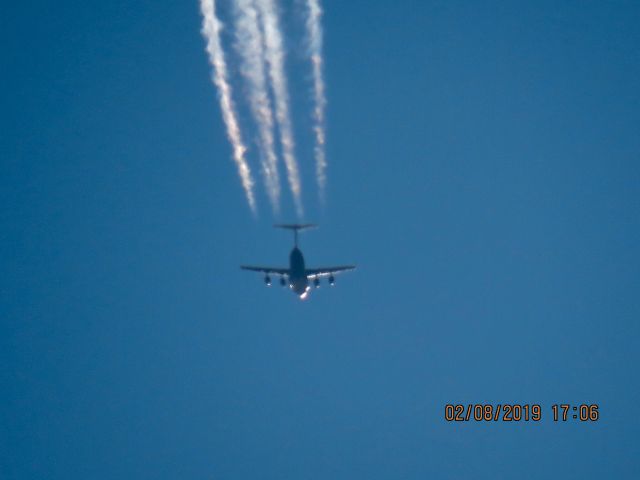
(314, 32)
(274, 53)
(211, 30)
(250, 45)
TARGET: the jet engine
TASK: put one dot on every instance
(282, 282)
(267, 280)
(332, 280)
(316, 282)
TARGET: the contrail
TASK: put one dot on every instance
(274, 53)
(250, 46)
(211, 30)
(314, 33)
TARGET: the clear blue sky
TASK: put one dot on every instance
(483, 174)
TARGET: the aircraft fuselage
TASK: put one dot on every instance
(298, 281)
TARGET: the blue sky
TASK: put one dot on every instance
(483, 174)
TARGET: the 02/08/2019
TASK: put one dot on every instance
(492, 413)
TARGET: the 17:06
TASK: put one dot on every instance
(584, 412)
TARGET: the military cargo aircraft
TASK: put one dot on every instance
(297, 276)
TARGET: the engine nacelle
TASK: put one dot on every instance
(267, 280)
(316, 282)
(332, 280)
(282, 282)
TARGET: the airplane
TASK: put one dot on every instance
(297, 276)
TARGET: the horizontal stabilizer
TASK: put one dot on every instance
(296, 226)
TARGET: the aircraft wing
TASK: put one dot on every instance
(326, 271)
(279, 271)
